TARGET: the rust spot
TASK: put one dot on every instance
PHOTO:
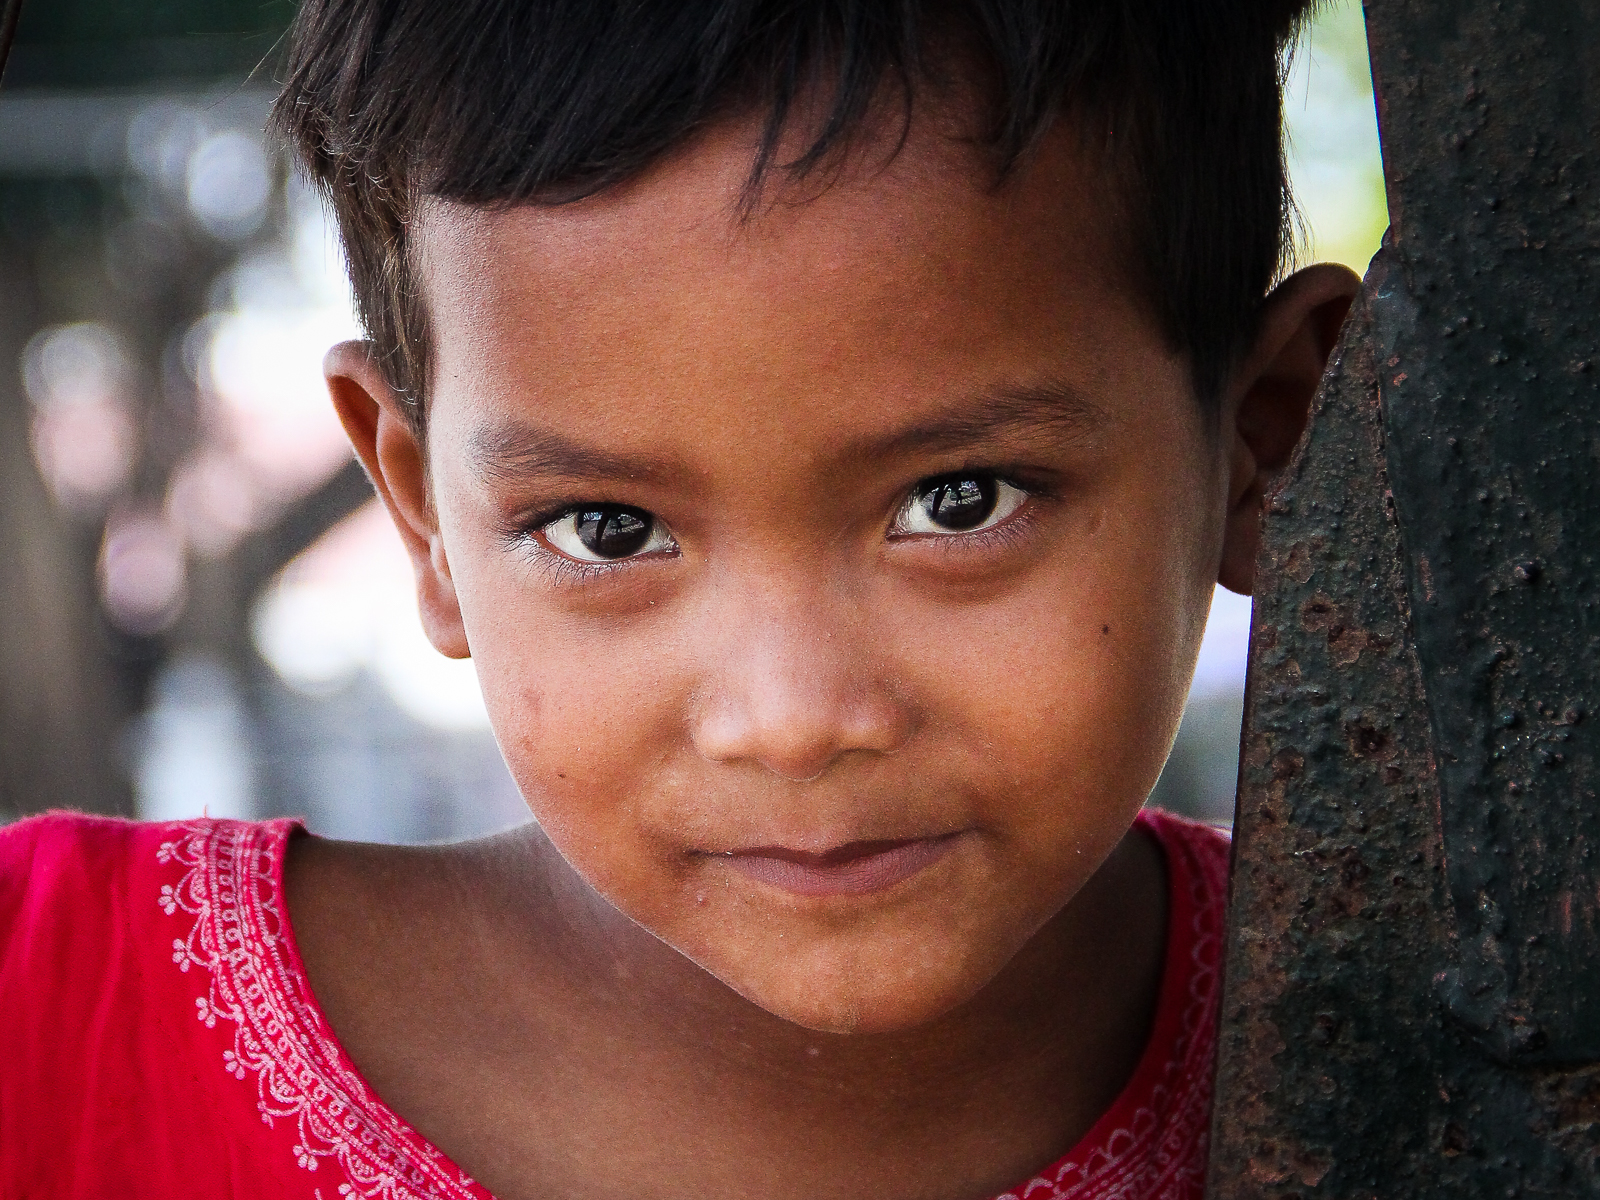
(1277, 1164)
(1326, 1028)
(1352, 870)
(1268, 1168)
(1287, 763)
(1571, 1100)
(1345, 644)
(1366, 741)
(1298, 565)
(1316, 614)
(1346, 639)
(1580, 1102)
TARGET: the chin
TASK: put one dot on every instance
(878, 1001)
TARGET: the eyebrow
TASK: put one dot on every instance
(517, 450)
(1054, 408)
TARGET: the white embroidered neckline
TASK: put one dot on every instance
(1160, 1152)
(239, 937)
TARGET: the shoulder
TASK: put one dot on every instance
(63, 856)
(1198, 857)
(100, 918)
(76, 888)
(61, 853)
(1197, 854)
(55, 832)
(131, 962)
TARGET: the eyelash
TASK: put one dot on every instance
(562, 569)
(1010, 531)
(559, 569)
(966, 539)
(522, 536)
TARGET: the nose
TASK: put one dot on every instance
(794, 686)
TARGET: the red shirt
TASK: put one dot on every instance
(158, 1037)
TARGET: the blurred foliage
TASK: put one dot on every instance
(1334, 158)
(120, 43)
(84, 239)
(126, 20)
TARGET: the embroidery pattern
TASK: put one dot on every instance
(238, 937)
(1160, 1154)
(230, 888)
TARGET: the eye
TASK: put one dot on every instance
(960, 503)
(606, 532)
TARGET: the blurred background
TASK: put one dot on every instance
(201, 608)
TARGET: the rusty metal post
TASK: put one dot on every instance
(1412, 1003)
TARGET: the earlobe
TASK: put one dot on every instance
(378, 424)
(1269, 400)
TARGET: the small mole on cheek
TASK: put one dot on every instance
(561, 775)
(1105, 629)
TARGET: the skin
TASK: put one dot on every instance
(604, 1003)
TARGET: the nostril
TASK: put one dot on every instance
(795, 749)
(797, 742)
(792, 774)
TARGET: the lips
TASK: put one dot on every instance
(856, 869)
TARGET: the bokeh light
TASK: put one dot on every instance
(142, 572)
(77, 377)
(229, 182)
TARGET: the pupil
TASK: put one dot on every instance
(613, 531)
(960, 503)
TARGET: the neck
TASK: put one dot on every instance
(1040, 1052)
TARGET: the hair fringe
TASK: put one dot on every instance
(505, 102)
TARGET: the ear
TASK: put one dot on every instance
(377, 422)
(1269, 399)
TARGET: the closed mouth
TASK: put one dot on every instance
(854, 869)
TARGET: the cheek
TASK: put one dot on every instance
(581, 711)
(589, 740)
(1051, 704)
(573, 720)
(1067, 693)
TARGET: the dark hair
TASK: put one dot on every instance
(495, 102)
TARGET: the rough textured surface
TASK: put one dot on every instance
(1488, 337)
(1412, 1004)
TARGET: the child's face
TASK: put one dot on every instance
(844, 737)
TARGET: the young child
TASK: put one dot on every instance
(823, 423)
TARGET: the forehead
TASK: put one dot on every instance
(899, 275)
